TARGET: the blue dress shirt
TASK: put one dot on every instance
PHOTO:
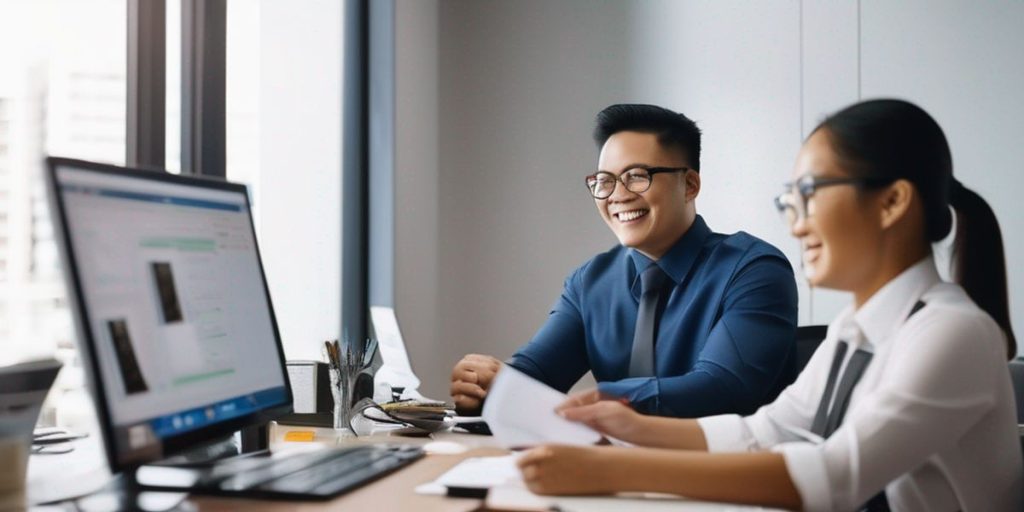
(725, 332)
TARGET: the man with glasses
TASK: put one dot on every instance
(676, 319)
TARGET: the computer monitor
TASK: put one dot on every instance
(173, 315)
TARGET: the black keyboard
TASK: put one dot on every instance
(317, 475)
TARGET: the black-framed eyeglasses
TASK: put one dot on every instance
(793, 203)
(636, 179)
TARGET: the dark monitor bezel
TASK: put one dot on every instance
(88, 345)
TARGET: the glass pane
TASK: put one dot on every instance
(172, 102)
(283, 131)
(62, 93)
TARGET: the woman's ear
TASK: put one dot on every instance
(895, 201)
(692, 179)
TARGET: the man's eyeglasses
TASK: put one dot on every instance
(636, 179)
(793, 203)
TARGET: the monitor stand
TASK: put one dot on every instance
(201, 455)
(120, 495)
(133, 489)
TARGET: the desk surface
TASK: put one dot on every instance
(393, 492)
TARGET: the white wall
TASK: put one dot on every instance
(516, 84)
(735, 71)
(964, 63)
(417, 246)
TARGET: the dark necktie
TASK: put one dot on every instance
(641, 360)
(826, 421)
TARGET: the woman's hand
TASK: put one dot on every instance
(610, 417)
(557, 469)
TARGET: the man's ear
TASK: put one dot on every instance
(895, 201)
(692, 179)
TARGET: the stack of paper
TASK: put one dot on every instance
(476, 473)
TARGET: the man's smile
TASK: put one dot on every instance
(628, 216)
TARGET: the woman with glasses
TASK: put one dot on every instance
(906, 405)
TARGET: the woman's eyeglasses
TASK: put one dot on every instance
(793, 203)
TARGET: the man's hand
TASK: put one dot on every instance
(609, 416)
(471, 378)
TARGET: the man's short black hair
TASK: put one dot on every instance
(674, 130)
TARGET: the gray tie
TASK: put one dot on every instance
(641, 361)
(828, 420)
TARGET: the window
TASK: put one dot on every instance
(283, 139)
(172, 102)
(62, 93)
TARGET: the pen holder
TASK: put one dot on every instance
(342, 387)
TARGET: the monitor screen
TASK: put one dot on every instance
(172, 308)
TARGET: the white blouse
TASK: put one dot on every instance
(933, 419)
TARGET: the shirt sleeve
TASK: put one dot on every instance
(727, 433)
(557, 354)
(745, 354)
(943, 386)
(785, 420)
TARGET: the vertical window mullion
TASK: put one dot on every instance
(144, 144)
(355, 162)
(203, 59)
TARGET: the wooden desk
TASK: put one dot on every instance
(84, 470)
(393, 492)
(396, 491)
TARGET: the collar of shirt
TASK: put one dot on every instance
(888, 308)
(676, 263)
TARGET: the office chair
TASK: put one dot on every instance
(1017, 376)
(808, 337)
(806, 341)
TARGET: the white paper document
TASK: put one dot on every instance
(521, 412)
(477, 473)
(519, 498)
(396, 370)
(508, 492)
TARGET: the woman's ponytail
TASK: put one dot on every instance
(979, 264)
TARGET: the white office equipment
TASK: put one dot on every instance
(396, 370)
